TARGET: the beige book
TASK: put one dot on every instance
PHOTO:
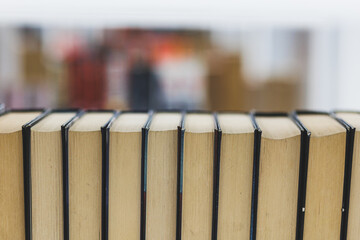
(325, 177)
(235, 185)
(85, 169)
(278, 178)
(198, 167)
(125, 176)
(353, 230)
(47, 178)
(12, 212)
(162, 176)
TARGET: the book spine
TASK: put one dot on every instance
(216, 177)
(255, 177)
(144, 147)
(180, 160)
(105, 135)
(65, 165)
(304, 157)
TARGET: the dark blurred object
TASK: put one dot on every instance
(145, 91)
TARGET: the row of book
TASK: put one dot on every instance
(75, 174)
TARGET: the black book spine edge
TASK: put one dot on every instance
(303, 170)
(180, 159)
(269, 114)
(65, 164)
(144, 145)
(26, 139)
(308, 112)
(216, 177)
(105, 138)
(255, 177)
(350, 136)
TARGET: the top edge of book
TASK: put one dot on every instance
(278, 127)
(199, 123)
(53, 122)
(165, 122)
(235, 123)
(351, 118)
(130, 122)
(321, 125)
(91, 121)
(13, 121)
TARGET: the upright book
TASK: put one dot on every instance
(325, 176)
(279, 166)
(198, 176)
(161, 175)
(236, 178)
(14, 187)
(125, 172)
(85, 175)
(351, 230)
(46, 167)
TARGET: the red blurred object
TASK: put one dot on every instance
(87, 80)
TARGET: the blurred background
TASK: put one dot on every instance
(213, 55)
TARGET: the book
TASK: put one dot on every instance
(198, 171)
(104, 174)
(161, 176)
(125, 192)
(325, 176)
(12, 200)
(351, 229)
(235, 184)
(278, 177)
(47, 176)
(85, 175)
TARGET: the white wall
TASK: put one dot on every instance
(348, 77)
(200, 13)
